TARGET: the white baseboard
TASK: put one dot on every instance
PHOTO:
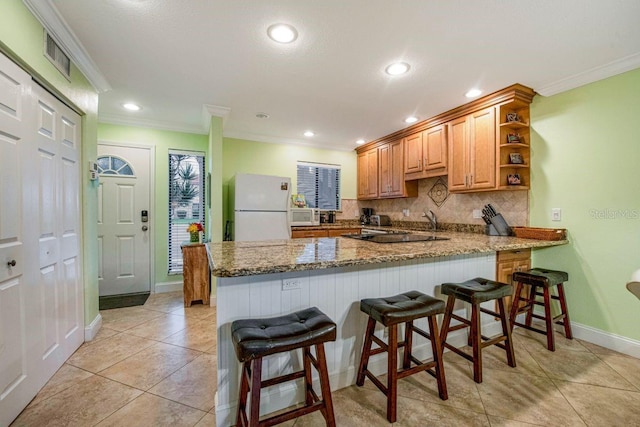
(606, 339)
(168, 287)
(92, 329)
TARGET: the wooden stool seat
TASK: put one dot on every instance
(474, 292)
(254, 339)
(541, 278)
(391, 311)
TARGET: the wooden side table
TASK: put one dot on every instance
(196, 274)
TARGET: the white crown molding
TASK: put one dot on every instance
(209, 110)
(56, 26)
(613, 68)
(288, 141)
(149, 123)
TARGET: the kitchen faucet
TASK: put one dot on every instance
(432, 219)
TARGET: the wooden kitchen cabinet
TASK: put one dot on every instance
(340, 231)
(299, 234)
(391, 172)
(426, 153)
(368, 174)
(195, 272)
(472, 151)
(509, 262)
(329, 232)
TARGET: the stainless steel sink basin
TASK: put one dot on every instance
(376, 231)
(395, 237)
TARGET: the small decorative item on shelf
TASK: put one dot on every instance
(512, 117)
(516, 159)
(513, 138)
(514, 179)
(195, 230)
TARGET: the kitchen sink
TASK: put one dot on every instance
(369, 231)
(395, 237)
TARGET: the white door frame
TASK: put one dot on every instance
(152, 200)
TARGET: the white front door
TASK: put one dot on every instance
(124, 238)
(41, 291)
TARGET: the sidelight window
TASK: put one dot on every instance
(186, 200)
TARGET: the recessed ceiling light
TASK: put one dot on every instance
(262, 115)
(473, 93)
(411, 119)
(131, 106)
(397, 68)
(282, 33)
(309, 133)
(360, 141)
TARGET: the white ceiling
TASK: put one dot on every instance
(173, 57)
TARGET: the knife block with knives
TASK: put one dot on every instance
(496, 225)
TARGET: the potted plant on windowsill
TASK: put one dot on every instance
(195, 230)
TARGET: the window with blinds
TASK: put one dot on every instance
(320, 184)
(186, 200)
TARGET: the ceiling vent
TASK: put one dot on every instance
(57, 57)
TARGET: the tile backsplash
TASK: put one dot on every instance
(457, 208)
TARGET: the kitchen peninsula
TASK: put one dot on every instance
(270, 278)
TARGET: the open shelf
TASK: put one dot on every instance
(514, 125)
(514, 165)
(514, 145)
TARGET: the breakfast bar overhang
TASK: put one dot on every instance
(272, 278)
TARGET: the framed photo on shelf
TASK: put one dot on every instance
(513, 138)
(516, 159)
(512, 117)
(514, 179)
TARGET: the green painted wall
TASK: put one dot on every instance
(163, 141)
(586, 161)
(280, 159)
(21, 36)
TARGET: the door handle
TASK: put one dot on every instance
(11, 263)
(145, 228)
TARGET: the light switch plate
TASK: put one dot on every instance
(477, 213)
(556, 214)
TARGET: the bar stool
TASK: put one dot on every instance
(545, 279)
(475, 292)
(390, 311)
(254, 339)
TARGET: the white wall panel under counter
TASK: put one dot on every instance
(337, 292)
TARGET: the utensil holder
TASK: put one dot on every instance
(500, 225)
(490, 230)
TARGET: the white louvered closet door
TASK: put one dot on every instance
(41, 294)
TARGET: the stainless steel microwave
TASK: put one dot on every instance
(304, 216)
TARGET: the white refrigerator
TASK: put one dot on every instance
(261, 207)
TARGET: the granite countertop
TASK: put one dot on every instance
(231, 259)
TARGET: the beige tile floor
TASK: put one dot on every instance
(155, 365)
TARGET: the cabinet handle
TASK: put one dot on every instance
(11, 263)
(465, 180)
(419, 164)
(471, 179)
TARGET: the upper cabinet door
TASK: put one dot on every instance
(368, 174)
(458, 153)
(434, 148)
(413, 153)
(482, 138)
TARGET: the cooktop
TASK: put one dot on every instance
(394, 238)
